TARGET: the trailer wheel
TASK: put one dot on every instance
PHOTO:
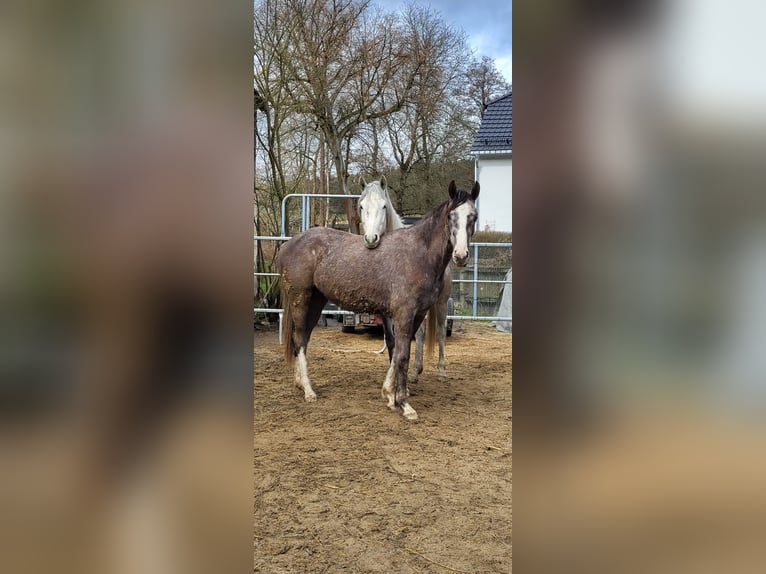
(347, 329)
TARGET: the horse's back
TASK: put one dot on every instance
(298, 258)
(304, 241)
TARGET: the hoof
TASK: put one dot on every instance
(442, 378)
(409, 413)
(389, 400)
(311, 398)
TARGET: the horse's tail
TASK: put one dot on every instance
(432, 326)
(287, 324)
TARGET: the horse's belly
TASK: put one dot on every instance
(359, 305)
(354, 301)
(352, 296)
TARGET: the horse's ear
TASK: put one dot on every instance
(383, 182)
(475, 190)
(452, 189)
(362, 181)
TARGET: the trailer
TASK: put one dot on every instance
(352, 321)
(362, 320)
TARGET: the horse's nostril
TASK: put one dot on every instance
(371, 243)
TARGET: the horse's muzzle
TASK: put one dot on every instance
(372, 244)
(460, 261)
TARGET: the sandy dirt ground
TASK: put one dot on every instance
(346, 485)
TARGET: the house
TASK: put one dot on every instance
(492, 153)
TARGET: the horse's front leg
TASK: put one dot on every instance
(397, 371)
(402, 361)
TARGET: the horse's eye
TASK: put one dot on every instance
(384, 206)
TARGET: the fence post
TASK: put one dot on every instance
(475, 277)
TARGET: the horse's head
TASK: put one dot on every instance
(372, 211)
(462, 219)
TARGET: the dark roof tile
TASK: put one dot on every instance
(496, 129)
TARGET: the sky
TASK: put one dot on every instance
(487, 23)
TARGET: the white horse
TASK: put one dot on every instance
(378, 216)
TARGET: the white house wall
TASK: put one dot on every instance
(495, 207)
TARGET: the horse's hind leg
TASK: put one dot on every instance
(388, 337)
(441, 321)
(306, 310)
(417, 367)
(316, 304)
(302, 376)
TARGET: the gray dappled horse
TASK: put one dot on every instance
(401, 278)
(378, 216)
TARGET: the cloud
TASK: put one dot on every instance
(505, 65)
(487, 23)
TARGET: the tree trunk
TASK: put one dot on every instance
(403, 177)
(313, 207)
(340, 170)
(324, 204)
(375, 147)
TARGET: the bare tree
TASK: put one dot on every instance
(285, 142)
(346, 84)
(345, 68)
(421, 131)
(484, 82)
(271, 34)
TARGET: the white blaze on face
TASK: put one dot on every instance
(462, 220)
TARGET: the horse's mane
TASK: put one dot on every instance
(393, 221)
(431, 215)
(438, 215)
(460, 198)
